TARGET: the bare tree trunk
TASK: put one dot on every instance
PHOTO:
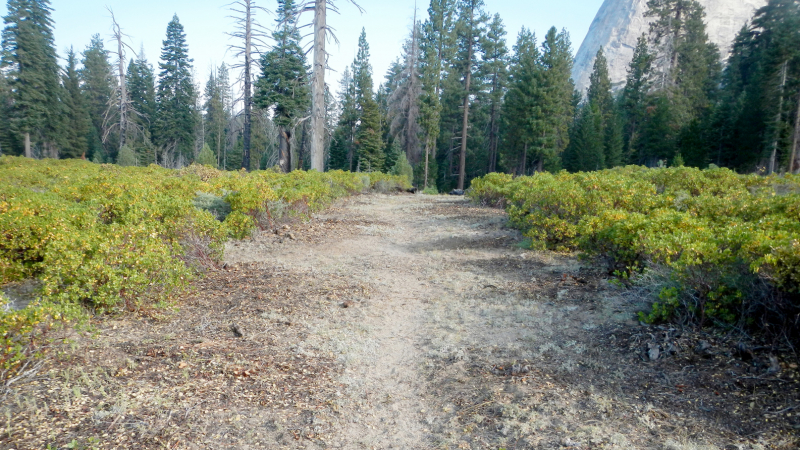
(524, 160)
(318, 89)
(123, 86)
(462, 162)
(774, 154)
(285, 151)
(796, 137)
(28, 153)
(248, 43)
(427, 152)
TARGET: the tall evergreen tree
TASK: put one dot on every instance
(342, 153)
(518, 121)
(632, 103)
(175, 115)
(98, 88)
(216, 114)
(495, 54)
(404, 100)
(369, 144)
(142, 92)
(470, 32)
(30, 61)
(283, 84)
(76, 132)
(554, 102)
(437, 45)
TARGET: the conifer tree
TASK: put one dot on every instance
(283, 84)
(140, 77)
(554, 107)
(76, 131)
(632, 104)
(470, 30)
(404, 100)
(175, 96)
(586, 150)
(98, 88)
(369, 144)
(30, 62)
(437, 46)
(142, 92)
(518, 121)
(216, 115)
(342, 153)
(495, 54)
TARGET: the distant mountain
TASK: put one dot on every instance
(619, 23)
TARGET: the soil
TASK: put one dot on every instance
(407, 322)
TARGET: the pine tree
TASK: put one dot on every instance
(586, 150)
(369, 145)
(554, 101)
(30, 62)
(470, 32)
(342, 153)
(283, 84)
(140, 77)
(142, 92)
(76, 132)
(404, 100)
(98, 88)
(437, 46)
(632, 104)
(175, 96)
(496, 72)
(6, 137)
(600, 97)
(686, 70)
(518, 132)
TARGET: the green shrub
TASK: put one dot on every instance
(403, 169)
(103, 237)
(127, 157)
(713, 229)
(206, 157)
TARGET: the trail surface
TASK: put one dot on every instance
(399, 322)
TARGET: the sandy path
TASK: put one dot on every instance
(466, 340)
(454, 336)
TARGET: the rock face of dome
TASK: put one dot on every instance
(619, 23)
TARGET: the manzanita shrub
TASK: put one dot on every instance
(102, 237)
(719, 234)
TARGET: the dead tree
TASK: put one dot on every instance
(123, 86)
(252, 36)
(320, 9)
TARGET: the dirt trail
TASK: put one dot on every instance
(405, 322)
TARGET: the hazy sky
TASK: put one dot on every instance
(387, 24)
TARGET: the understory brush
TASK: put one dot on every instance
(104, 237)
(728, 245)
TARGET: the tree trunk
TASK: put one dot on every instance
(318, 89)
(796, 137)
(28, 153)
(285, 151)
(427, 152)
(524, 160)
(774, 154)
(462, 162)
(247, 85)
(123, 86)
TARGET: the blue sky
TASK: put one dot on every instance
(387, 24)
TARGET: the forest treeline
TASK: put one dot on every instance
(457, 104)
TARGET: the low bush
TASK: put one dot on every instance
(106, 237)
(723, 236)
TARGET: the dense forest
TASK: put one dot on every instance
(457, 104)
